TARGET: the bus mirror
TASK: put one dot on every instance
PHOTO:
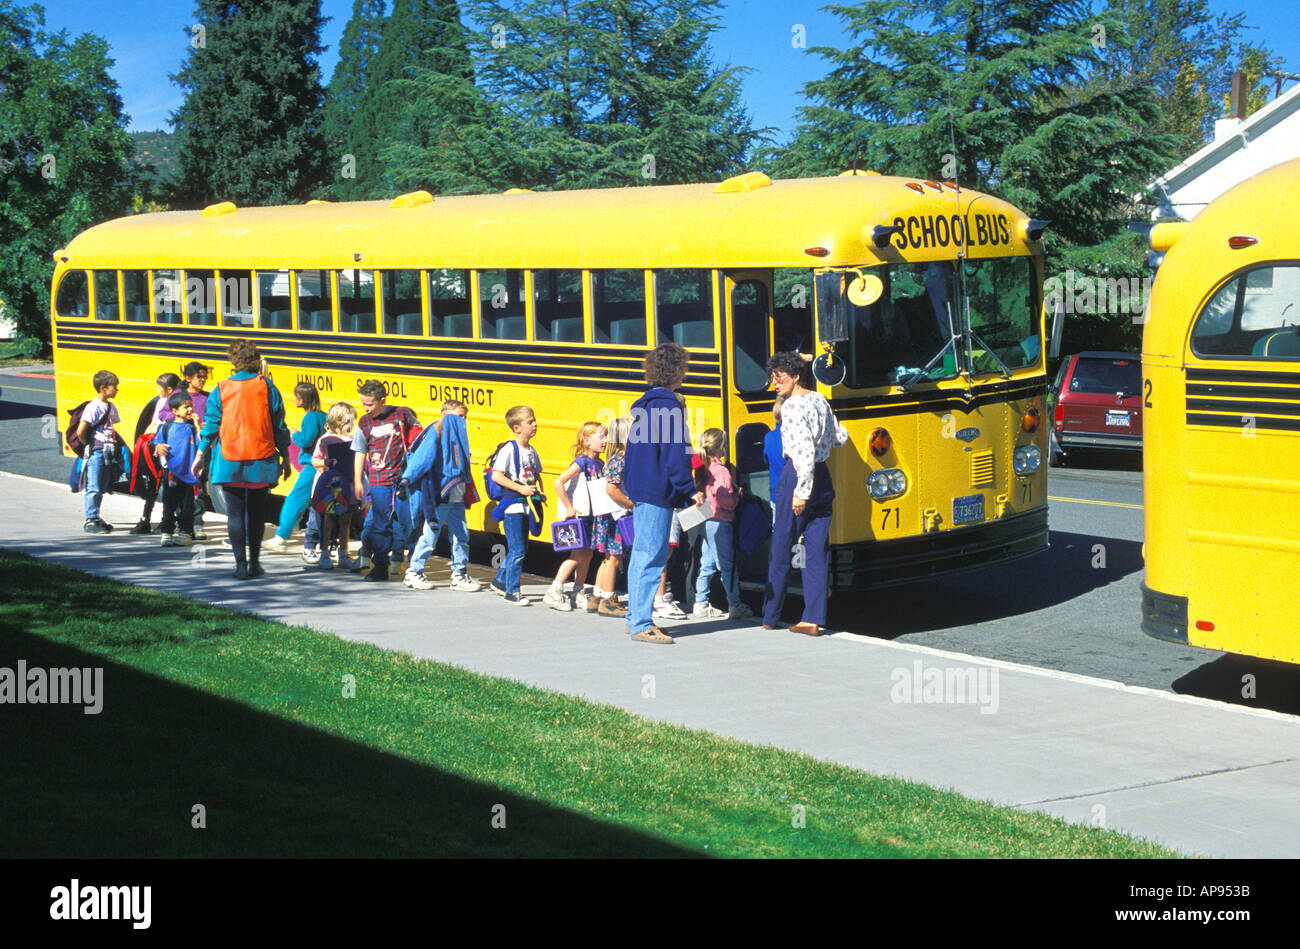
(865, 290)
(832, 307)
(1058, 328)
(829, 369)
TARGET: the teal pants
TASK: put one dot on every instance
(297, 501)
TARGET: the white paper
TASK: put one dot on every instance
(694, 516)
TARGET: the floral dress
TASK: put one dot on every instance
(604, 535)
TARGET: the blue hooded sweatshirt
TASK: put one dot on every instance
(657, 461)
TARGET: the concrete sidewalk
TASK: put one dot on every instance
(1199, 776)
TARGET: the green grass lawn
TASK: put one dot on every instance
(248, 718)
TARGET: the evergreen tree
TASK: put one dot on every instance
(65, 155)
(250, 126)
(349, 125)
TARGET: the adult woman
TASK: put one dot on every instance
(803, 495)
(245, 445)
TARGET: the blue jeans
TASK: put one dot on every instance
(650, 524)
(377, 535)
(297, 501)
(94, 466)
(453, 517)
(718, 556)
(515, 527)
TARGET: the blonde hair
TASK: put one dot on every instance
(776, 408)
(517, 415)
(620, 430)
(264, 368)
(713, 443)
(341, 417)
(585, 431)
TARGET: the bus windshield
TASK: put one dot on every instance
(917, 330)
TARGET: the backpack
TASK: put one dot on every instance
(145, 469)
(75, 444)
(753, 524)
(494, 490)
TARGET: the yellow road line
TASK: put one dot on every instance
(25, 389)
(1135, 507)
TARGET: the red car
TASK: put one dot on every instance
(1098, 405)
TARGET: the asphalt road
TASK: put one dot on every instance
(1074, 608)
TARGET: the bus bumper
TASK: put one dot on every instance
(884, 563)
(1164, 616)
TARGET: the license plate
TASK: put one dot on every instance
(1117, 418)
(967, 509)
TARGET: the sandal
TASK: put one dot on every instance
(808, 629)
(653, 635)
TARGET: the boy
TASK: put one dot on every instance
(97, 434)
(155, 412)
(177, 443)
(196, 375)
(439, 471)
(516, 469)
(382, 434)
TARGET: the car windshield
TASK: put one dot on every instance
(915, 330)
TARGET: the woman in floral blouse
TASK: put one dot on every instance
(803, 496)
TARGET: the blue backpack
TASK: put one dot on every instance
(494, 491)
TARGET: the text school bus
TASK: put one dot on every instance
(928, 296)
(1221, 361)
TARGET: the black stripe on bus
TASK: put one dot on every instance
(1242, 375)
(1230, 421)
(885, 409)
(1242, 407)
(1223, 390)
(1003, 391)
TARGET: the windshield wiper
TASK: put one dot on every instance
(915, 377)
(1002, 367)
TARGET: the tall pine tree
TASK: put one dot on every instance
(349, 125)
(250, 126)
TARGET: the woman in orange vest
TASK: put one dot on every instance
(248, 443)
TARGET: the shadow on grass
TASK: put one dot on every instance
(124, 783)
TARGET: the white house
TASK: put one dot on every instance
(1241, 149)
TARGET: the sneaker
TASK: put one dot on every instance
(199, 532)
(516, 599)
(609, 608)
(556, 600)
(141, 527)
(107, 527)
(708, 611)
(310, 556)
(739, 611)
(183, 539)
(364, 562)
(417, 581)
(594, 604)
(276, 545)
(344, 561)
(465, 583)
(665, 608)
(580, 600)
(156, 529)
(378, 572)
(168, 541)
(497, 588)
(324, 561)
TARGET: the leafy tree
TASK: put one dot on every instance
(349, 126)
(1255, 61)
(65, 156)
(249, 129)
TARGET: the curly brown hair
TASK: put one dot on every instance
(243, 355)
(665, 365)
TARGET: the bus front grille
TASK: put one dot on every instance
(981, 469)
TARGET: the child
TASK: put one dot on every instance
(380, 441)
(576, 478)
(719, 533)
(516, 469)
(177, 444)
(441, 470)
(97, 434)
(196, 375)
(306, 398)
(333, 449)
(605, 535)
(155, 412)
(772, 451)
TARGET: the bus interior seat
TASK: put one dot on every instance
(509, 327)
(459, 325)
(629, 332)
(277, 319)
(566, 329)
(694, 334)
(106, 312)
(320, 321)
(203, 318)
(749, 447)
(1279, 344)
(410, 324)
(169, 316)
(137, 312)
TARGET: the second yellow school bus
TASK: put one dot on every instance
(1221, 390)
(933, 294)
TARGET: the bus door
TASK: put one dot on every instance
(747, 311)
(1240, 444)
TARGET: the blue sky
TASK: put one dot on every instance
(148, 40)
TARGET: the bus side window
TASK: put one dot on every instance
(618, 307)
(557, 306)
(73, 297)
(274, 293)
(792, 312)
(450, 313)
(167, 296)
(201, 297)
(684, 308)
(403, 311)
(1255, 314)
(235, 297)
(749, 330)
(501, 304)
(316, 300)
(356, 301)
(106, 305)
(135, 295)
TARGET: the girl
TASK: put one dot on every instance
(333, 450)
(306, 398)
(586, 465)
(719, 552)
(605, 535)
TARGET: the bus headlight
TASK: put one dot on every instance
(887, 483)
(1027, 459)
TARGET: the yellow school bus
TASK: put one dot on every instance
(928, 296)
(1221, 390)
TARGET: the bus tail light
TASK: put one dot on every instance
(1239, 241)
(880, 442)
(1030, 421)
(1205, 625)
(816, 251)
